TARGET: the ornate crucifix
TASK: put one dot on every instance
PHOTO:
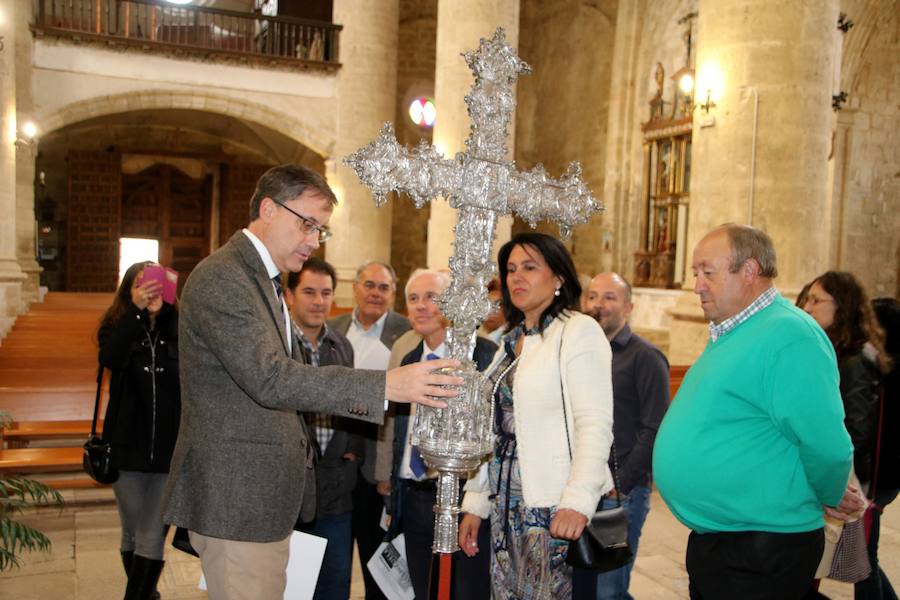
(483, 185)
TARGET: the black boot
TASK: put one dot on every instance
(142, 578)
(127, 558)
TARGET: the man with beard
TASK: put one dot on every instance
(640, 377)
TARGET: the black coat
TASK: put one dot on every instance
(144, 408)
(861, 393)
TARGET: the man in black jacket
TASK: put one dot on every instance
(309, 295)
(640, 377)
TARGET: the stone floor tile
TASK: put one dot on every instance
(85, 564)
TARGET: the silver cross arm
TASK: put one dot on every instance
(424, 174)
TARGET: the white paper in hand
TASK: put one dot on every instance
(390, 571)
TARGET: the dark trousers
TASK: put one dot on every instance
(471, 578)
(877, 586)
(753, 565)
(367, 531)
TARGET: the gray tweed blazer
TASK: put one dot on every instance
(395, 325)
(242, 467)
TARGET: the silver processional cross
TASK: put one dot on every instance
(483, 185)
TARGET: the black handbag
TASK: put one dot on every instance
(97, 459)
(603, 545)
(181, 540)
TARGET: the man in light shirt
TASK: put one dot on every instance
(413, 486)
(372, 329)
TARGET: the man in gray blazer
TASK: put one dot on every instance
(242, 467)
(372, 328)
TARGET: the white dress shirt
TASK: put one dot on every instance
(273, 271)
(369, 352)
(405, 470)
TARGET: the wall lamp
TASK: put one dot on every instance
(27, 136)
(708, 104)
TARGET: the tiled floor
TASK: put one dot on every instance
(84, 562)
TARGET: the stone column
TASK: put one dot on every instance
(11, 277)
(460, 26)
(776, 57)
(26, 238)
(366, 98)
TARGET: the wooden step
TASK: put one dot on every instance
(19, 433)
(71, 483)
(61, 376)
(40, 460)
(64, 404)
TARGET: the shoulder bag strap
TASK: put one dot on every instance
(97, 401)
(874, 487)
(615, 470)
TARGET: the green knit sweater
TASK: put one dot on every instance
(755, 438)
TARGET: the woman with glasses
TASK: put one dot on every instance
(838, 303)
(138, 339)
(551, 386)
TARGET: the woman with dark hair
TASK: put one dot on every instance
(839, 305)
(138, 340)
(550, 383)
(886, 481)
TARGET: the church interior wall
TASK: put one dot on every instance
(869, 234)
(70, 85)
(563, 105)
(417, 38)
(594, 64)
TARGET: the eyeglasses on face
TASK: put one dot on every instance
(308, 226)
(813, 300)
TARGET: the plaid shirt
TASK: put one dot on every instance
(321, 424)
(762, 301)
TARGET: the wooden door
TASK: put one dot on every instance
(165, 204)
(93, 230)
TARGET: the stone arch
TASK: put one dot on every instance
(288, 124)
(867, 16)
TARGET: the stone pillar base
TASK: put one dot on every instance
(31, 285)
(11, 281)
(689, 331)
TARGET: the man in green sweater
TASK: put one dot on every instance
(754, 444)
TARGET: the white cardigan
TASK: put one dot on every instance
(549, 478)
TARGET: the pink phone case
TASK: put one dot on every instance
(167, 277)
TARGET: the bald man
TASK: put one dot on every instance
(640, 374)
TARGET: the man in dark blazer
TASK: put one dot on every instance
(309, 295)
(413, 488)
(372, 328)
(242, 467)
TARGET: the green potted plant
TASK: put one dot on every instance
(17, 493)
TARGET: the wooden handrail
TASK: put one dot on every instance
(154, 23)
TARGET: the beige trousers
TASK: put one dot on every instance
(243, 570)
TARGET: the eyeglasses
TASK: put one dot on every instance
(308, 226)
(814, 300)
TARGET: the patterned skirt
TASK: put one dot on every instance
(526, 562)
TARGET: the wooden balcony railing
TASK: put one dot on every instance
(195, 29)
